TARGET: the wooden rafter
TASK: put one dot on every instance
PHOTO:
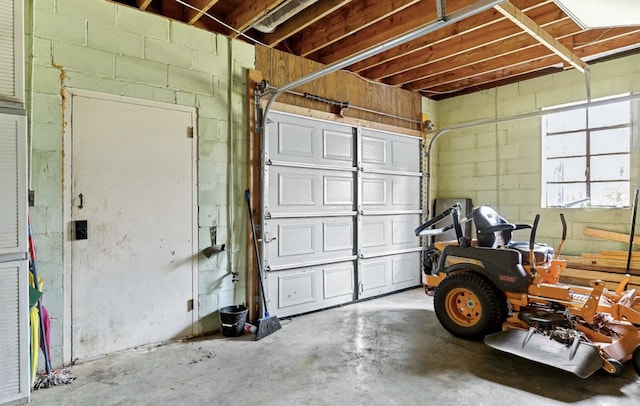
(248, 12)
(351, 19)
(202, 7)
(303, 20)
(469, 33)
(443, 58)
(143, 4)
(528, 25)
(406, 20)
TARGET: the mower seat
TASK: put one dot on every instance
(493, 231)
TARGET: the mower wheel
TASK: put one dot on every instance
(619, 368)
(469, 306)
(635, 360)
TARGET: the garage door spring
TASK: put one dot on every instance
(342, 106)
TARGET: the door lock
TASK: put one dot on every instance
(81, 231)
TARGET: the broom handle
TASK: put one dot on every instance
(255, 247)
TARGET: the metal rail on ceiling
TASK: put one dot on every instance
(443, 21)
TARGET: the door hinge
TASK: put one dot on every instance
(189, 305)
(189, 132)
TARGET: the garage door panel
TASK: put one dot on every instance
(389, 233)
(305, 289)
(389, 273)
(341, 204)
(390, 192)
(300, 140)
(300, 190)
(392, 152)
(299, 241)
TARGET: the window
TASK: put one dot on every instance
(586, 156)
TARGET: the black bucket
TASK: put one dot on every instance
(232, 319)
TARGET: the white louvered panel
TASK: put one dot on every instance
(13, 180)
(7, 50)
(14, 362)
(8, 184)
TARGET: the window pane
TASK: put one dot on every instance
(610, 167)
(609, 114)
(608, 141)
(610, 194)
(567, 121)
(565, 145)
(564, 195)
(565, 170)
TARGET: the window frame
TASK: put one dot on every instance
(588, 155)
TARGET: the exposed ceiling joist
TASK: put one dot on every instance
(303, 20)
(517, 40)
(143, 4)
(249, 12)
(201, 6)
(528, 25)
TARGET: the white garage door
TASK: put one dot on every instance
(340, 207)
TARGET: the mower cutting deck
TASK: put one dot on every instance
(508, 294)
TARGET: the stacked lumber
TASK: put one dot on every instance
(608, 266)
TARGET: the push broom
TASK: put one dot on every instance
(267, 324)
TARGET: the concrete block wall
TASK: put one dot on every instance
(500, 164)
(99, 46)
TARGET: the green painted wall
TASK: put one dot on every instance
(499, 164)
(99, 46)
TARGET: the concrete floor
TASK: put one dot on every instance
(387, 351)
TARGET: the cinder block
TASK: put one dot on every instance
(41, 51)
(214, 63)
(103, 12)
(190, 80)
(140, 71)
(167, 53)
(46, 137)
(46, 80)
(46, 108)
(186, 99)
(48, 5)
(59, 27)
(211, 107)
(84, 59)
(113, 40)
(244, 54)
(141, 23)
(201, 40)
(212, 150)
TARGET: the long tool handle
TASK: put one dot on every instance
(36, 284)
(247, 196)
(633, 229)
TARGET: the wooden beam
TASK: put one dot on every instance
(528, 25)
(490, 19)
(143, 4)
(489, 56)
(303, 20)
(346, 22)
(411, 18)
(609, 235)
(593, 42)
(472, 41)
(202, 7)
(248, 12)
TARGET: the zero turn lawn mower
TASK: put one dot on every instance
(508, 294)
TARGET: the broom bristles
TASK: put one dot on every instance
(267, 325)
(55, 378)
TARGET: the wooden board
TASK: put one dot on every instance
(609, 235)
(281, 68)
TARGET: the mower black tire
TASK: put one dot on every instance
(635, 360)
(469, 306)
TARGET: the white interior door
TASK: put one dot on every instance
(133, 276)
